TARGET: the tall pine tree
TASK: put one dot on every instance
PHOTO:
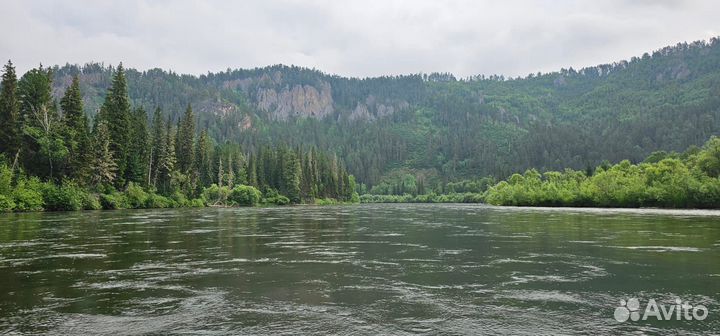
(10, 134)
(157, 146)
(185, 143)
(137, 160)
(77, 137)
(167, 164)
(203, 159)
(115, 111)
(290, 176)
(103, 168)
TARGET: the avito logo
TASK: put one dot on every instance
(630, 310)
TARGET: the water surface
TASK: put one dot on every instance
(368, 269)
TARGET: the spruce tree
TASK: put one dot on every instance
(221, 171)
(115, 111)
(158, 146)
(10, 134)
(230, 175)
(103, 168)
(167, 161)
(203, 159)
(251, 171)
(291, 176)
(137, 161)
(77, 137)
(185, 142)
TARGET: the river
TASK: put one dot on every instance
(370, 269)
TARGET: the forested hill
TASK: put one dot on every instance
(438, 128)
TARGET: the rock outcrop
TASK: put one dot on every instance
(299, 101)
(371, 109)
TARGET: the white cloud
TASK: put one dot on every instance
(352, 38)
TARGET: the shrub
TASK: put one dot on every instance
(155, 201)
(325, 201)
(136, 196)
(91, 202)
(113, 201)
(5, 179)
(196, 203)
(245, 195)
(214, 195)
(277, 200)
(66, 197)
(6, 204)
(28, 195)
(272, 196)
(179, 199)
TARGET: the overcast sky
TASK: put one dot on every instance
(350, 38)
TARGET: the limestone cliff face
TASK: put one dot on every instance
(217, 107)
(298, 101)
(276, 99)
(372, 109)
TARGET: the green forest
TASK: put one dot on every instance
(298, 135)
(54, 158)
(438, 128)
(666, 180)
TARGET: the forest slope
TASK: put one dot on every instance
(438, 128)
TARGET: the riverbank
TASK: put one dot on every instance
(31, 195)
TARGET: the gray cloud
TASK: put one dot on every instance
(351, 38)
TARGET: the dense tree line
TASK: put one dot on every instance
(53, 157)
(672, 180)
(451, 129)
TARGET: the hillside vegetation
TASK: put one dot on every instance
(440, 129)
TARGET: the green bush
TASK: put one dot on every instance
(28, 195)
(277, 200)
(66, 197)
(214, 195)
(326, 201)
(272, 196)
(5, 179)
(113, 201)
(6, 204)
(245, 195)
(179, 200)
(92, 202)
(196, 203)
(155, 201)
(136, 197)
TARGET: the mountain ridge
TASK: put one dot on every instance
(440, 128)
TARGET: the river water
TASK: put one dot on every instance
(363, 270)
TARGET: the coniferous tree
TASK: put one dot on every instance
(158, 146)
(10, 133)
(116, 112)
(203, 159)
(77, 137)
(260, 170)
(185, 143)
(137, 160)
(251, 170)
(167, 161)
(102, 168)
(221, 171)
(291, 176)
(230, 175)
